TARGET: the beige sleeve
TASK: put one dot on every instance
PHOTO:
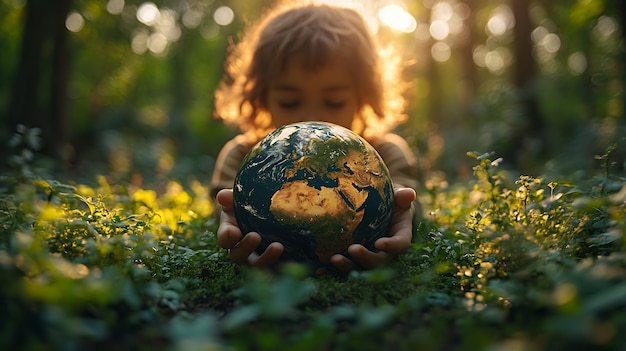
(400, 160)
(228, 162)
(402, 164)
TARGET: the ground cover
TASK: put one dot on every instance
(501, 262)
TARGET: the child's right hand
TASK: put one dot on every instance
(241, 248)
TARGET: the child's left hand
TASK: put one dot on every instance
(398, 241)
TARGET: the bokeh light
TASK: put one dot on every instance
(167, 25)
(148, 13)
(577, 63)
(479, 53)
(501, 21)
(551, 43)
(139, 42)
(223, 15)
(442, 10)
(441, 51)
(605, 27)
(192, 18)
(74, 22)
(439, 26)
(397, 18)
(157, 43)
(547, 44)
(164, 29)
(497, 60)
(439, 29)
(115, 7)
(496, 25)
(538, 34)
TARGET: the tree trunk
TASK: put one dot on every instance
(24, 105)
(524, 71)
(468, 68)
(40, 83)
(622, 22)
(60, 133)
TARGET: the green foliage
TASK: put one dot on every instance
(138, 111)
(24, 144)
(528, 263)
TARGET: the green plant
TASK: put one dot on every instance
(499, 262)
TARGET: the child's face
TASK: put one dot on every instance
(298, 94)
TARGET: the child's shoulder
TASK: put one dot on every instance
(392, 146)
(240, 141)
(389, 140)
(235, 149)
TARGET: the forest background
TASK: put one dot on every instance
(125, 88)
(107, 239)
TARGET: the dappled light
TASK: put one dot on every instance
(223, 16)
(148, 13)
(165, 29)
(605, 28)
(465, 61)
(74, 22)
(115, 7)
(441, 52)
(551, 43)
(577, 63)
(439, 29)
(501, 21)
(397, 18)
(192, 18)
(440, 43)
(445, 24)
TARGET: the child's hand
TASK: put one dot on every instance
(241, 249)
(398, 242)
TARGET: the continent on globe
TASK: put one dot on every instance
(315, 187)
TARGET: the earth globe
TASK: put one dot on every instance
(315, 187)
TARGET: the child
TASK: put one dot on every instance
(305, 63)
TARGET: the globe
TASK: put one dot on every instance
(316, 188)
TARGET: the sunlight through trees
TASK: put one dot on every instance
(485, 73)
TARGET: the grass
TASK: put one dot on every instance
(525, 263)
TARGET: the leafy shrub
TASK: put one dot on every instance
(498, 263)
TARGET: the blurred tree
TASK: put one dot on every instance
(469, 75)
(619, 7)
(524, 73)
(41, 79)
(131, 88)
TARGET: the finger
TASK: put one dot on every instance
(399, 243)
(244, 248)
(403, 197)
(343, 264)
(228, 235)
(368, 259)
(225, 198)
(401, 230)
(269, 257)
(321, 271)
(228, 232)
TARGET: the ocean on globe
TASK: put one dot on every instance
(315, 187)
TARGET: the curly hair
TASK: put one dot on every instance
(318, 32)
